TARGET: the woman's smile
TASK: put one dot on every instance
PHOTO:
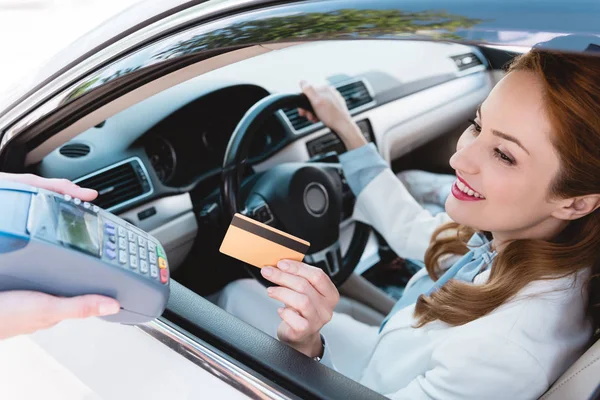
(463, 191)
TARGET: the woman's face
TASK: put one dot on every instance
(507, 160)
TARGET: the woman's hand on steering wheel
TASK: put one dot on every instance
(309, 296)
(330, 108)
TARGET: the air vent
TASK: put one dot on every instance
(324, 144)
(356, 95)
(75, 150)
(119, 184)
(466, 61)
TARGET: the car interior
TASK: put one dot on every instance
(157, 157)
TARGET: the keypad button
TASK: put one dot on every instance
(111, 245)
(132, 248)
(133, 262)
(86, 205)
(122, 232)
(160, 251)
(95, 209)
(141, 241)
(151, 247)
(162, 263)
(153, 271)
(142, 253)
(164, 275)
(109, 225)
(110, 231)
(68, 197)
(122, 243)
(77, 201)
(110, 253)
(143, 267)
(152, 258)
(131, 236)
(123, 257)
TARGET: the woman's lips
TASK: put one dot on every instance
(460, 195)
(465, 183)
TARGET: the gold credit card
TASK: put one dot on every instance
(261, 245)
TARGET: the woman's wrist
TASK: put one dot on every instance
(312, 346)
(351, 135)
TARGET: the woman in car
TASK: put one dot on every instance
(510, 294)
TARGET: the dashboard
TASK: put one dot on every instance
(157, 162)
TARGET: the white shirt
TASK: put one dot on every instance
(515, 352)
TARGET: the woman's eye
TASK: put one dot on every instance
(475, 127)
(503, 157)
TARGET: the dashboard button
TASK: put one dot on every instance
(143, 267)
(162, 263)
(133, 262)
(164, 275)
(110, 253)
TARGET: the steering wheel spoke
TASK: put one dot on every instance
(307, 200)
(329, 259)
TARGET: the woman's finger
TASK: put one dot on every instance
(315, 276)
(311, 117)
(299, 325)
(298, 301)
(62, 186)
(294, 282)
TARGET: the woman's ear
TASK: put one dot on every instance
(577, 207)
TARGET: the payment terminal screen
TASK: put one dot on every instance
(77, 228)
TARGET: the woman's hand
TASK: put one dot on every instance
(330, 108)
(23, 312)
(62, 186)
(309, 297)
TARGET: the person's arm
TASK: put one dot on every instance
(382, 200)
(474, 368)
(386, 205)
(23, 312)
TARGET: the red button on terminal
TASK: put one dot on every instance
(164, 275)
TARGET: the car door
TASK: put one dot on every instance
(195, 348)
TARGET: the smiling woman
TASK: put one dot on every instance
(540, 205)
(521, 303)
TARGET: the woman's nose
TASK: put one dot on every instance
(466, 159)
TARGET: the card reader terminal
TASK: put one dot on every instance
(63, 246)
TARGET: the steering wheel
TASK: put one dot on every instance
(303, 199)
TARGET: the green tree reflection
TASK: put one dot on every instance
(340, 24)
(348, 23)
